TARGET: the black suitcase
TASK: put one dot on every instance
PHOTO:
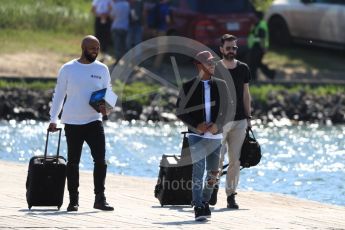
(45, 184)
(174, 184)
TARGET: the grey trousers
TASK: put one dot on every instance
(233, 136)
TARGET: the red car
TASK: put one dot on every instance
(206, 20)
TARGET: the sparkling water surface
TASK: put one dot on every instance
(306, 160)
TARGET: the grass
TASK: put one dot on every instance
(39, 41)
(44, 25)
(34, 85)
(52, 15)
(261, 93)
(137, 91)
(305, 58)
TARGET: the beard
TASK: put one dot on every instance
(229, 56)
(89, 56)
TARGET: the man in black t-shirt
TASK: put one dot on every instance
(234, 131)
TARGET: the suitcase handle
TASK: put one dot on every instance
(58, 148)
(184, 133)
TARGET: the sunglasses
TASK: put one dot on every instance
(228, 48)
(211, 63)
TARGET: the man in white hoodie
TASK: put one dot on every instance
(76, 81)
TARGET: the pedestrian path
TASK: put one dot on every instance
(136, 207)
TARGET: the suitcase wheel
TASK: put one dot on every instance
(30, 206)
(59, 208)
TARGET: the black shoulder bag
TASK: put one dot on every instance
(251, 151)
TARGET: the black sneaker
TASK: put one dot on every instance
(72, 207)
(207, 210)
(101, 203)
(199, 213)
(232, 202)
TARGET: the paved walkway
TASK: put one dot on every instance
(135, 207)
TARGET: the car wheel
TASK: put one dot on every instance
(279, 32)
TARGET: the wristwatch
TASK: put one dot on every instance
(249, 117)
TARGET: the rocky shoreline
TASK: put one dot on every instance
(24, 104)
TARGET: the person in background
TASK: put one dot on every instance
(77, 80)
(258, 43)
(135, 31)
(101, 10)
(199, 107)
(234, 131)
(162, 26)
(119, 28)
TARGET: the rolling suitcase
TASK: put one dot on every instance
(174, 184)
(45, 184)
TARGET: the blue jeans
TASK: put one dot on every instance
(119, 39)
(134, 36)
(203, 151)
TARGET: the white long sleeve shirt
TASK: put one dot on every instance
(77, 81)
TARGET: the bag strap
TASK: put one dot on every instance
(226, 171)
(46, 147)
(251, 131)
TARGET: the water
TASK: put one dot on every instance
(306, 161)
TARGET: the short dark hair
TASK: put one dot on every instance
(227, 37)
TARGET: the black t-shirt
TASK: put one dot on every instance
(240, 76)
